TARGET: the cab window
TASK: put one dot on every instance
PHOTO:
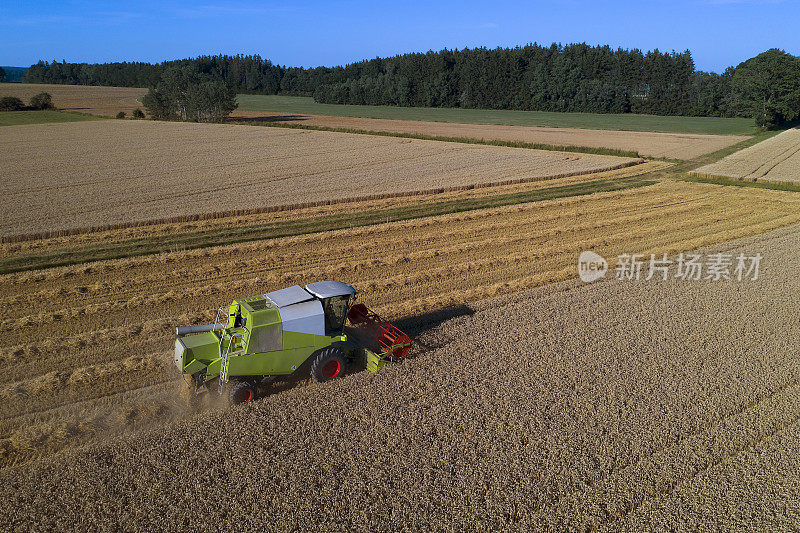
(335, 309)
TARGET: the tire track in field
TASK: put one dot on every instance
(621, 493)
(790, 152)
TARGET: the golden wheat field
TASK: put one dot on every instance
(96, 174)
(571, 407)
(647, 144)
(107, 101)
(85, 347)
(775, 159)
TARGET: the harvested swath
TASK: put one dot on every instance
(611, 405)
(107, 101)
(208, 168)
(775, 159)
(73, 334)
(647, 144)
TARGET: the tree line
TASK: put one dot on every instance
(564, 78)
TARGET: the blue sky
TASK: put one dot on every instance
(718, 32)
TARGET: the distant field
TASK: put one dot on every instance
(19, 118)
(61, 176)
(645, 143)
(628, 122)
(106, 101)
(775, 159)
(109, 101)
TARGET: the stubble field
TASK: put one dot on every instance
(569, 407)
(105, 173)
(775, 159)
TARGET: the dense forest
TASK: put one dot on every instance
(575, 77)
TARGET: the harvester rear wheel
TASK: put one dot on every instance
(241, 392)
(328, 364)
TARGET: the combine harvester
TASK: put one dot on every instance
(255, 340)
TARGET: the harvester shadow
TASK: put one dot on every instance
(270, 118)
(418, 324)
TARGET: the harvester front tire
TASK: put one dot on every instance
(241, 392)
(328, 364)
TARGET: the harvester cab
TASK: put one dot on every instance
(258, 339)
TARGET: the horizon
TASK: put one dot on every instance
(354, 31)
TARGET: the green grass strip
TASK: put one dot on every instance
(225, 235)
(734, 182)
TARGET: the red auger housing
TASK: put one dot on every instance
(387, 339)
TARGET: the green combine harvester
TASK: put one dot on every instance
(255, 340)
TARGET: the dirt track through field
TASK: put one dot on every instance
(74, 336)
(647, 144)
(95, 174)
(614, 405)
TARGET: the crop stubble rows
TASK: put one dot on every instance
(775, 159)
(587, 410)
(118, 315)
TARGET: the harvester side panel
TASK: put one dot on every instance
(297, 347)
